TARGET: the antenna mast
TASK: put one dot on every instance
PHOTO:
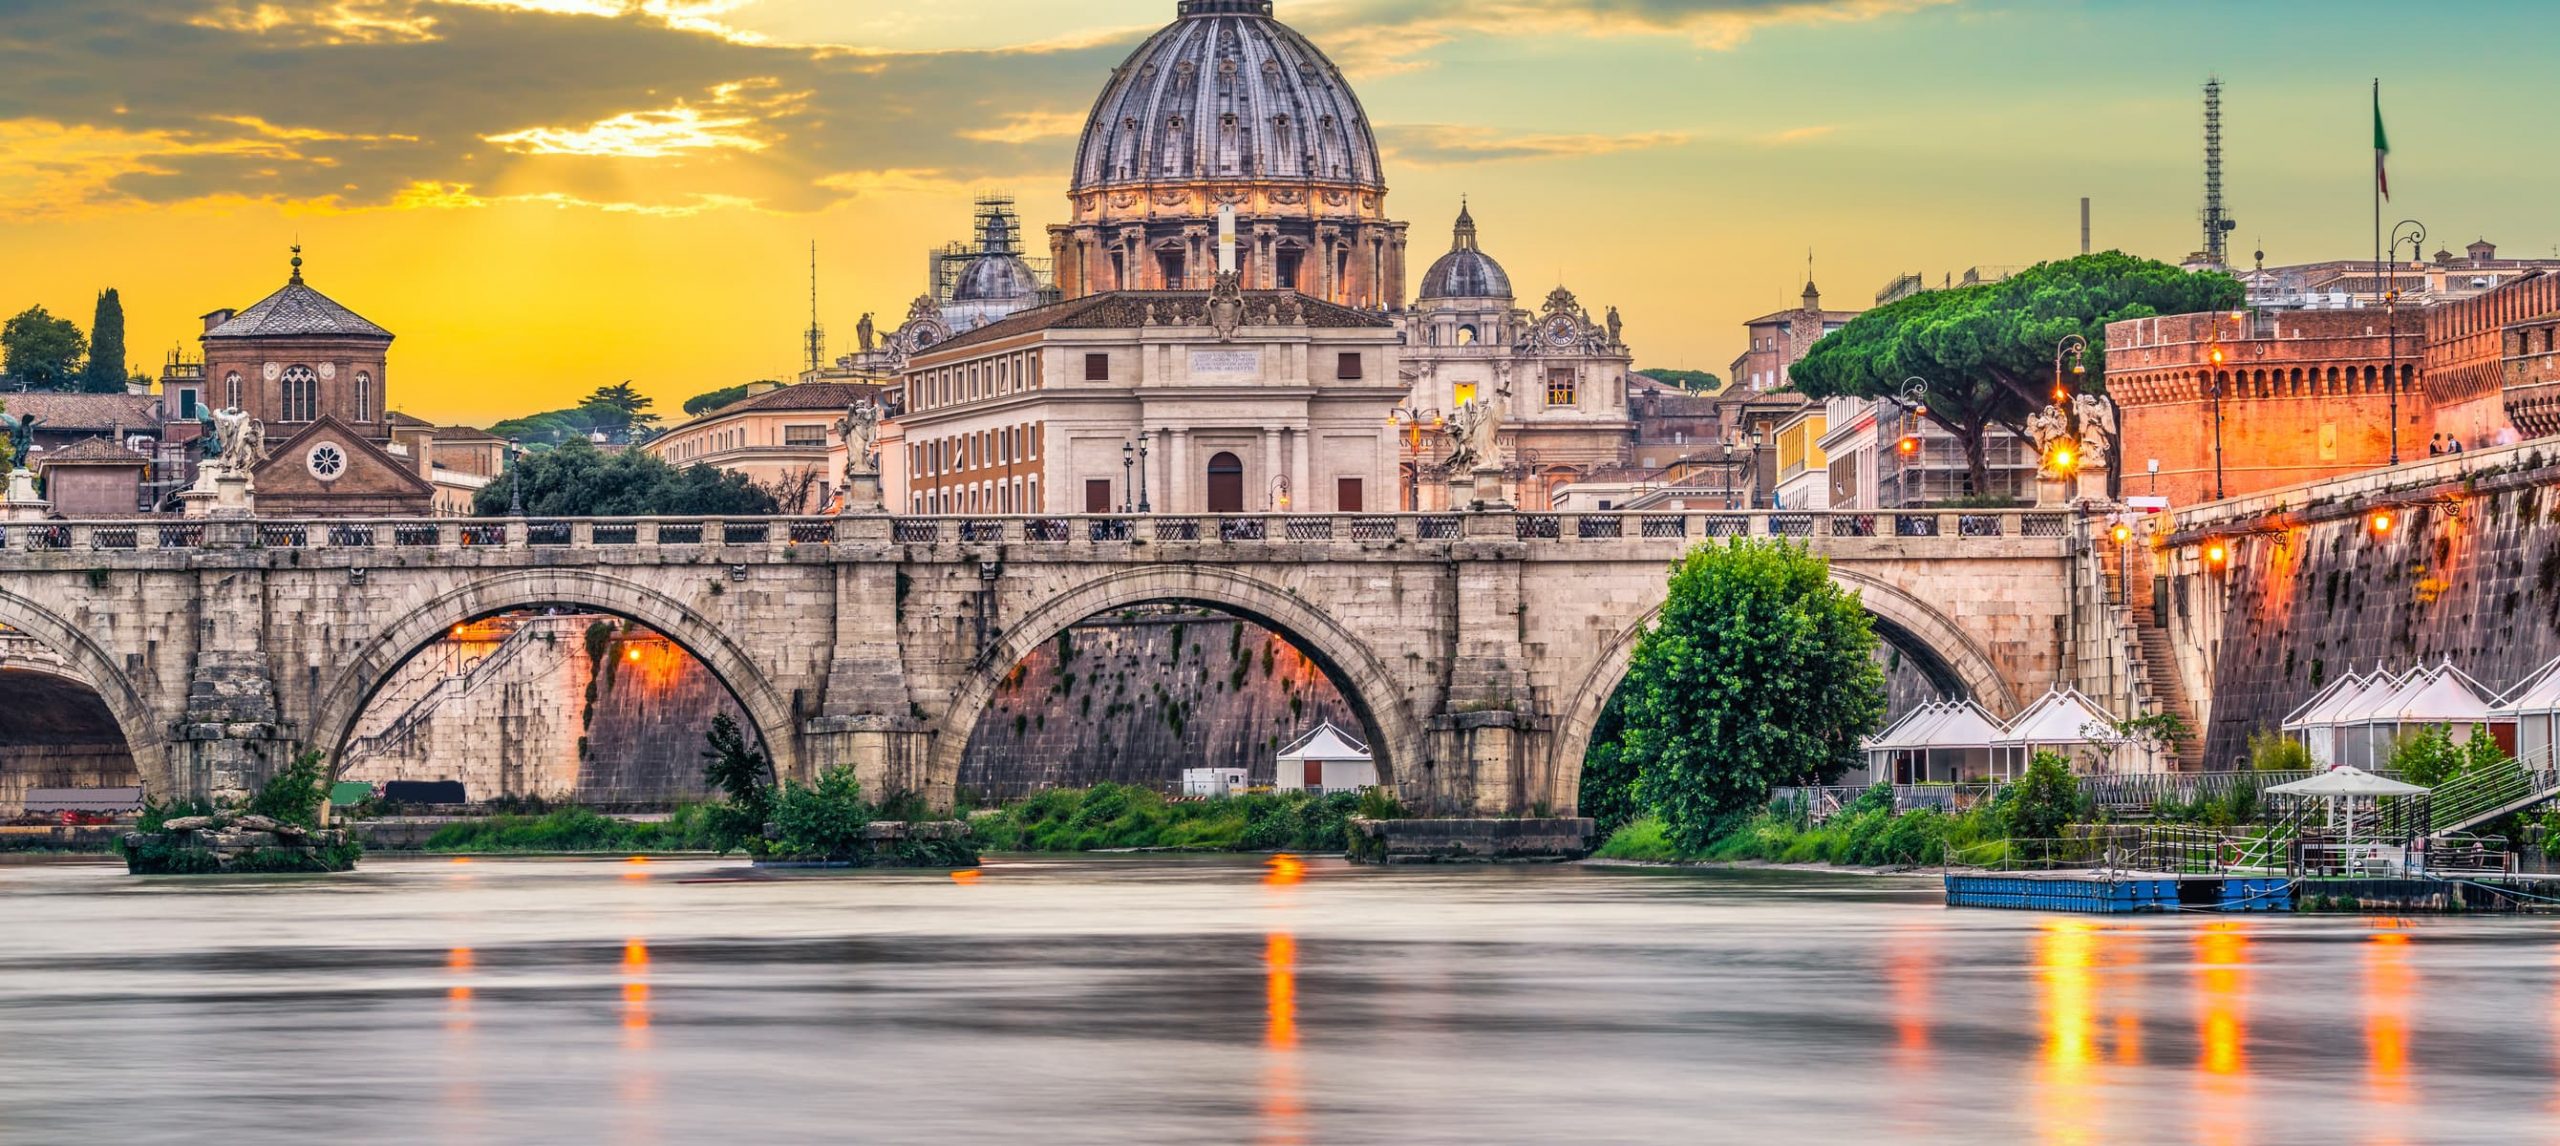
(817, 335)
(2218, 225)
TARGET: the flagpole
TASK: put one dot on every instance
(2390, 381)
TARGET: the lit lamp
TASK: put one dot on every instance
(2217, 554)
(2380, 521)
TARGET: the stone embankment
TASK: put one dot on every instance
(1472, 840)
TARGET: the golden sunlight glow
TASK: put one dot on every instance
(1027, 126)
(2389, 983)
(967, 878)
(1284, 870)
(735, 113)
(2222, 1035)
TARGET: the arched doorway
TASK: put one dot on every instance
(1226, 483)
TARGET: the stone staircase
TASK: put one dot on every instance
(2130, 590)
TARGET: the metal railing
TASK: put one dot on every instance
(1369, 529)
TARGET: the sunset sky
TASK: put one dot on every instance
(544, 196)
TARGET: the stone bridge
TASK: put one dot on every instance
(1478, 648)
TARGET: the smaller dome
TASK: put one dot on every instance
(996, 278)
(1466, 271)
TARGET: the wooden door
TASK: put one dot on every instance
(1226, 484)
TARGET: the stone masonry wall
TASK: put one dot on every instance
(2469, 572)
(523, 726)
(1138, 699)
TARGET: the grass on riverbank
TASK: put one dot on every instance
(689, 829)
(1866, 837)
(1119, 816)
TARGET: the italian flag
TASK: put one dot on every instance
(2381, 145)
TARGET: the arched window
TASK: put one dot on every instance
(301, 394)
(231, 391)
(364, 396)
(1467, 335)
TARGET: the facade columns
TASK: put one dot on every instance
(1302, 496)
(1270, 469)
(1178, 468)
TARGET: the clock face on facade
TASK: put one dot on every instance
(1561, 330)
(326, 461)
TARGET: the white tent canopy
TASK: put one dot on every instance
(2368, 730)
(1326, 760)
(2533, 706)
(2065, 720)
(1948, 741)
(2315, 723)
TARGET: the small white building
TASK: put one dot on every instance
(1213, 782)
(1948, 742)
(1326, 760)
(2065, 721)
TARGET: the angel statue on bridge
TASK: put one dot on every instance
(1474, 433)
(860, 429)
(240, 442)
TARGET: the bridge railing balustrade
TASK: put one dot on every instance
(1791, 525)
(548, 533)
(678, 533)
(1979, 524)
(115, 537)
(1373, 529)
(284, 534)
(1539, 527)
(1244, 529)
(915, 531)
(1307, 528)
(482, 534)
(1438, 527)
(2044, 525)
(1915, 525)
(1599, 527)
(615, 533)
(1725, 525)
(746, 533)
(417, 535)
(182, 535)
(813, 532)
(358, 536)
(1853, 524)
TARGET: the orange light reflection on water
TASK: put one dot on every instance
(970, 876)
(2390, 986)
(2222, 1034)
(2066, 957)
(1284, 1108)
(635, 991)
(1284, 870)
(638, 1092)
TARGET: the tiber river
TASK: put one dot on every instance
(1148, 1000)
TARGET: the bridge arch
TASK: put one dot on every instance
(145, 736)
(1952, 659)
(341, 702)
(1395, 738)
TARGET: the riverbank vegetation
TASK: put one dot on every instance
(1108, 816)
(688, 829)
(195, 837)
(1870, 832)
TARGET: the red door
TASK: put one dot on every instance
(1226, 484)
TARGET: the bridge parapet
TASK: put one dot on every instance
(794, 537)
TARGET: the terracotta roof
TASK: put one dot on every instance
(836, 396)
(400, 419)
(1122, 310)
(297, 311)
(464, 434)
(68, 412)
(89, 451)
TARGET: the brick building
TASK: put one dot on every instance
(1781, 339)
(316, 373)
(2469, 343)
(2303, 396)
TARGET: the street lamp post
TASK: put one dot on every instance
(1412, 420)
(1128, 460)
(515, 478)
(2069, 457)
(1143, 507)
(2215, 354)
(2417, 237)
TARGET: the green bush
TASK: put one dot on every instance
(2277, 752)
(295, 794)
(2427, 757)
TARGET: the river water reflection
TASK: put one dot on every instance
(1235, 1000)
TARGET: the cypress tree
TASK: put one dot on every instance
(106, 372)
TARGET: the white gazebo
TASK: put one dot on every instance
(2350, 723)
(1945, 742)
(2341, 789)
(1326, 760)
(2066, 721)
